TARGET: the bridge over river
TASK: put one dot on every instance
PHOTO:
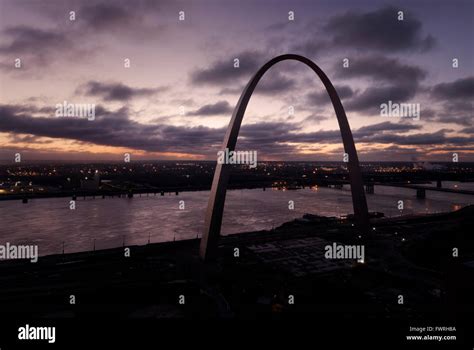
(420, 188)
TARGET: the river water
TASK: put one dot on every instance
(112, 221)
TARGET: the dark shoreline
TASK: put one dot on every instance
(148, 283)
(177, 190)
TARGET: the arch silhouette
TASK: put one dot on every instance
(215, 207)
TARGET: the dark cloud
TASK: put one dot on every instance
(223, 72)
(113, 129)
(454, 102)
(235, 90)
(401, 134)
(256, 135)
(24, 39)
(274, 82)
(389, 79)
(31, 109)
(380, 68)
(102, 16)
(288, 132)
(378, 30)
(461, 88)
(386, 127)
(218, 108)
(322, 98)
(385, 133)
(469, 130)
(435, 138)
(450, 113)
(34, 46)
(309, 47)
(271, 138)
(233, 80)
(371, 98)
(40, 47)
(137, 18)
(116, 91)
(313, 119)
(267, 132)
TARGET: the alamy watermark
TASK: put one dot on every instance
(341, 251)
(28, 332)
(400, 110)
(237, 157)
(12, 251)
(77, 110)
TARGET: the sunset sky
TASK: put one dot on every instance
(190, 64)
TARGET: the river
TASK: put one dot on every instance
(111, 222)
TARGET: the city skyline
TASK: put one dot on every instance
(187, 67)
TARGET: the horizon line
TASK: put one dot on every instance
(10, 162)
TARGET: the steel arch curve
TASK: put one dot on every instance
(215, 207)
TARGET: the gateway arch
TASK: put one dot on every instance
(215, 207)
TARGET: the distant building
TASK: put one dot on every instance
(428, 166)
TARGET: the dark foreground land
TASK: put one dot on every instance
(410, 257)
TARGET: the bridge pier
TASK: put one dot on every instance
(421, 193)
(439, 184)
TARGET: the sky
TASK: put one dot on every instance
(176, 98)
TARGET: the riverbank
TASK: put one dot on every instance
(408, 256)
(113, 222)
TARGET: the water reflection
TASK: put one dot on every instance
(111, 221)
